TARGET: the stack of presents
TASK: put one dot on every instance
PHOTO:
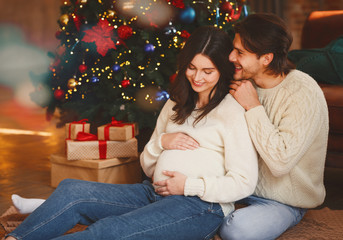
(111, 156)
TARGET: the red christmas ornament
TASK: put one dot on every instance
(124, 32)
(58, 94)
(58, 34)
(125, 83)
(226, 7)
(100, 34)
(177, 3)
(77, 22)
(172, 78)
(185, 34)
(83, 68)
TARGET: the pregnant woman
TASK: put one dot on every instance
(200, 158)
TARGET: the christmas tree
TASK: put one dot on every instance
(117, 58)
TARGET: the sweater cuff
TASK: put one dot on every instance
(194, 187)
(155, 147)
(160, 142)
(254, 112)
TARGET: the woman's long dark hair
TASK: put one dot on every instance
(216, 45)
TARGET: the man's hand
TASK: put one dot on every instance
(180, 141)
(174, 185)
(245, 94)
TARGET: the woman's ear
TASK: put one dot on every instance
(267, 58)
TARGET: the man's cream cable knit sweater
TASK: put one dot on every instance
(290, 132)
(223, 169)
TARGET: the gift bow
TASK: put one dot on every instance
(82, 136)
(115, 123)
(82, 121)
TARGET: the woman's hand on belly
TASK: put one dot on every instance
(174, 185)
(178, 141)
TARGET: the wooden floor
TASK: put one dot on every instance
(24, 158)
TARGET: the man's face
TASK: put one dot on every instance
(247, 64)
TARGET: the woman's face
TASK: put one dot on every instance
(203, 75)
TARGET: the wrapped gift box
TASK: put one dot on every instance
(73, 128)
(80, 150)
(114, 170)
(118, 132)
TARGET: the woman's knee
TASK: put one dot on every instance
(67, 182)
(73, 184)
(71, 188)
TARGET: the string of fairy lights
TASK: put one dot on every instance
(221, 13)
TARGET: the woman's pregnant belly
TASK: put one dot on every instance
(193, 163)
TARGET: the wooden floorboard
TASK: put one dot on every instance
(25, 166)
(24, 158)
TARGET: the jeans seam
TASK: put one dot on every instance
(218, 212)
(165, 225)
(213, 231)
(68, 207)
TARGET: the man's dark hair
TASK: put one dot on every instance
(263, 33)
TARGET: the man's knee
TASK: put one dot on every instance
(228, 230)
(234, 230)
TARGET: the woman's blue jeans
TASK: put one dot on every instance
(262, 219)
(120, 211)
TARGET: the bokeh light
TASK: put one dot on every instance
(17, 60)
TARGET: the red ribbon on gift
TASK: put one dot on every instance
(82, 136)
(115, 123)
(82, 121)
(102, 149)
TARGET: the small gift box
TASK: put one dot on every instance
(73, 128)
(117, 131)
(100, 149)
(114, 170)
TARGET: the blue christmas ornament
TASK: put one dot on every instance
(163, 95)
(187, 15)
(94, 79)
(116, 68)
(149, 48)
(245, 10)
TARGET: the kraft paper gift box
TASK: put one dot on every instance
(114, 170)
(98, 149)
(73, 128)
(117, 131)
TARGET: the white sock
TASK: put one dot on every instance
(26, 205)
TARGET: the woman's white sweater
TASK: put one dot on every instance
(223, 169)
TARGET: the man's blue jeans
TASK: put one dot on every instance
(262, 219)
(120, 211)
